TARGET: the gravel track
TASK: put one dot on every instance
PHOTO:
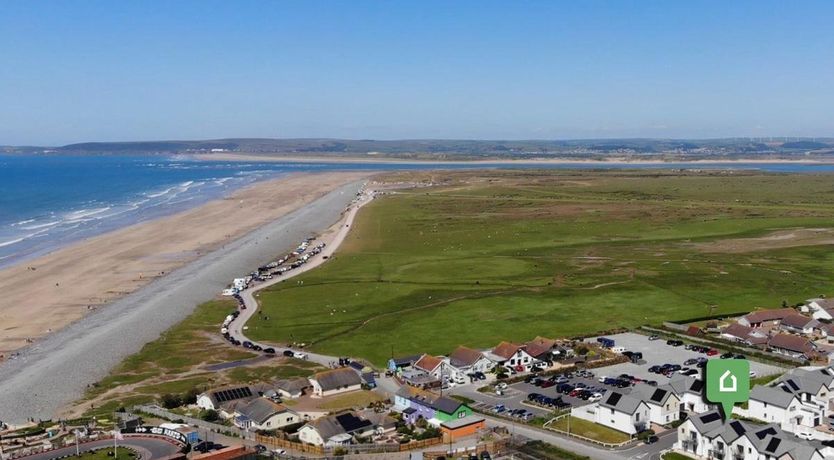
(55, 371)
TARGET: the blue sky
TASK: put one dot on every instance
(104, 70)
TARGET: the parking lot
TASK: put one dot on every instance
(657, 352)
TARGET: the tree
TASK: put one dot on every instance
(210, 415)
(171, 401)
(190, 397)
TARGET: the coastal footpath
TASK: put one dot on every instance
(57, 369)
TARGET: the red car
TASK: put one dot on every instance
(712, 352)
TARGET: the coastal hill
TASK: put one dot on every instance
(451, 149)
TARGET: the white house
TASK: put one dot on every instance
(799, 324)
(623, 412)
(664, 405)
(264, 414)
(465, 361)
(225, 400)
(690, 393)
(706, 436)
(338, 430)
(821, 308)
(335, 381)
(799, 402)
(512, 355)
(431, 365)
(765, 318)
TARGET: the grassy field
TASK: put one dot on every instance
(176, 363)
(484, 257)
(590, 430)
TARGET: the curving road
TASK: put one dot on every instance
(149, 448)
(236, 327)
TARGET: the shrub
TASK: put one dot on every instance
(171, 401)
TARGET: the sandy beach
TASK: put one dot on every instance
(55, 370)
(50, 292)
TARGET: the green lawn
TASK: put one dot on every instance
(590, 430)
(675, 456)
(102, 454)
(509, 256)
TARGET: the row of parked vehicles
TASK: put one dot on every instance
(522, 414)
(547, 401)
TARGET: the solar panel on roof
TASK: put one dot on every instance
(614, 399)
(738, 428)
(658, 395)
(710, 417)
(773, 445)
(697, 385)
(793, 385)
(764, 433)
(232, 394)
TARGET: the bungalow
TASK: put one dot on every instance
(765, 318)
(664, 404)
(465, 361)
(822, 309)
(336, 430)
(335, 381)
(706, 436)
(744, 334)
(415, 404)
(431, 365)
(511, 355)
(226, 399)
(623, 412)
(791, 345)
(291, 388)
(264, 414)
(799, 324)
(690, 393)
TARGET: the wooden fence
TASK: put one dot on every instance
(274, 442)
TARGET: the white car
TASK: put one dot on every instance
(753, 375)
(595, 397)
(501, 386)
(299, 355)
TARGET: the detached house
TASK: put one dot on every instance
(431, 365)
(792, 346)
(707, 436)
(744, 334)
(264, 414)
(664, 405)
(465, 361)
(335, 381)
(821, 308)
(397, 365)
(799, 324)
(690, 392)
(227, 399)
(623, 412)
(766, 318)
(512, 355)
(336, 430)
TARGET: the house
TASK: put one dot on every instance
(792, 345)
(431, 365)
(744, 334)
(225, 400)
(416, 404)
(765, 318)
(264, 414)
(799, 324)
(291, 388)
(821, 309)
(799, 400)
(623, 412)
(336, 430)
(690, 393)
(512, 355)
(366, 373)
(664, 404)
(541, 349)
(707, 436)
(464, 361)
(335, 381)
(396, 365)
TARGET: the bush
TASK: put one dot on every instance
(210, 415)
(190, 397)
(171, 401)
(643, 435)
(428, 433)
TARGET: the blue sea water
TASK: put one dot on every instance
(49, 201)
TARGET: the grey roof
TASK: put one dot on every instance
(808, 380)
(621, 402)
(681, 384)
(406, 360)
(775, 396)
(295, 385)
(327, 427)
(445, 405)
(652, 395)
(260, 410)
(461, 422)
(337, 378)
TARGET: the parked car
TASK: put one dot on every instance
(652, 439)
(653, 337)
(288, 353)
(712, 352)
(269, 351)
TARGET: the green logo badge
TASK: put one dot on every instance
(728, 382)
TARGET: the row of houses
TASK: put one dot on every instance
(636, 409)
(707, 436)
(785, 331)
(426, 370)
(799, 402)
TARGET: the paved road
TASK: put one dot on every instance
(236, 327)
(149, 448)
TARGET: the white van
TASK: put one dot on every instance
(618, 350)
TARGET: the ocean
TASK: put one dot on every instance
(47, 202)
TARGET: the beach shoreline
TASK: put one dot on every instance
(544, 161)
(56, 370)
(49, 292)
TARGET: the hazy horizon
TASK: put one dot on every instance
(99, 71)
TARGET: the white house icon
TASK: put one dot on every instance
(722, 383)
